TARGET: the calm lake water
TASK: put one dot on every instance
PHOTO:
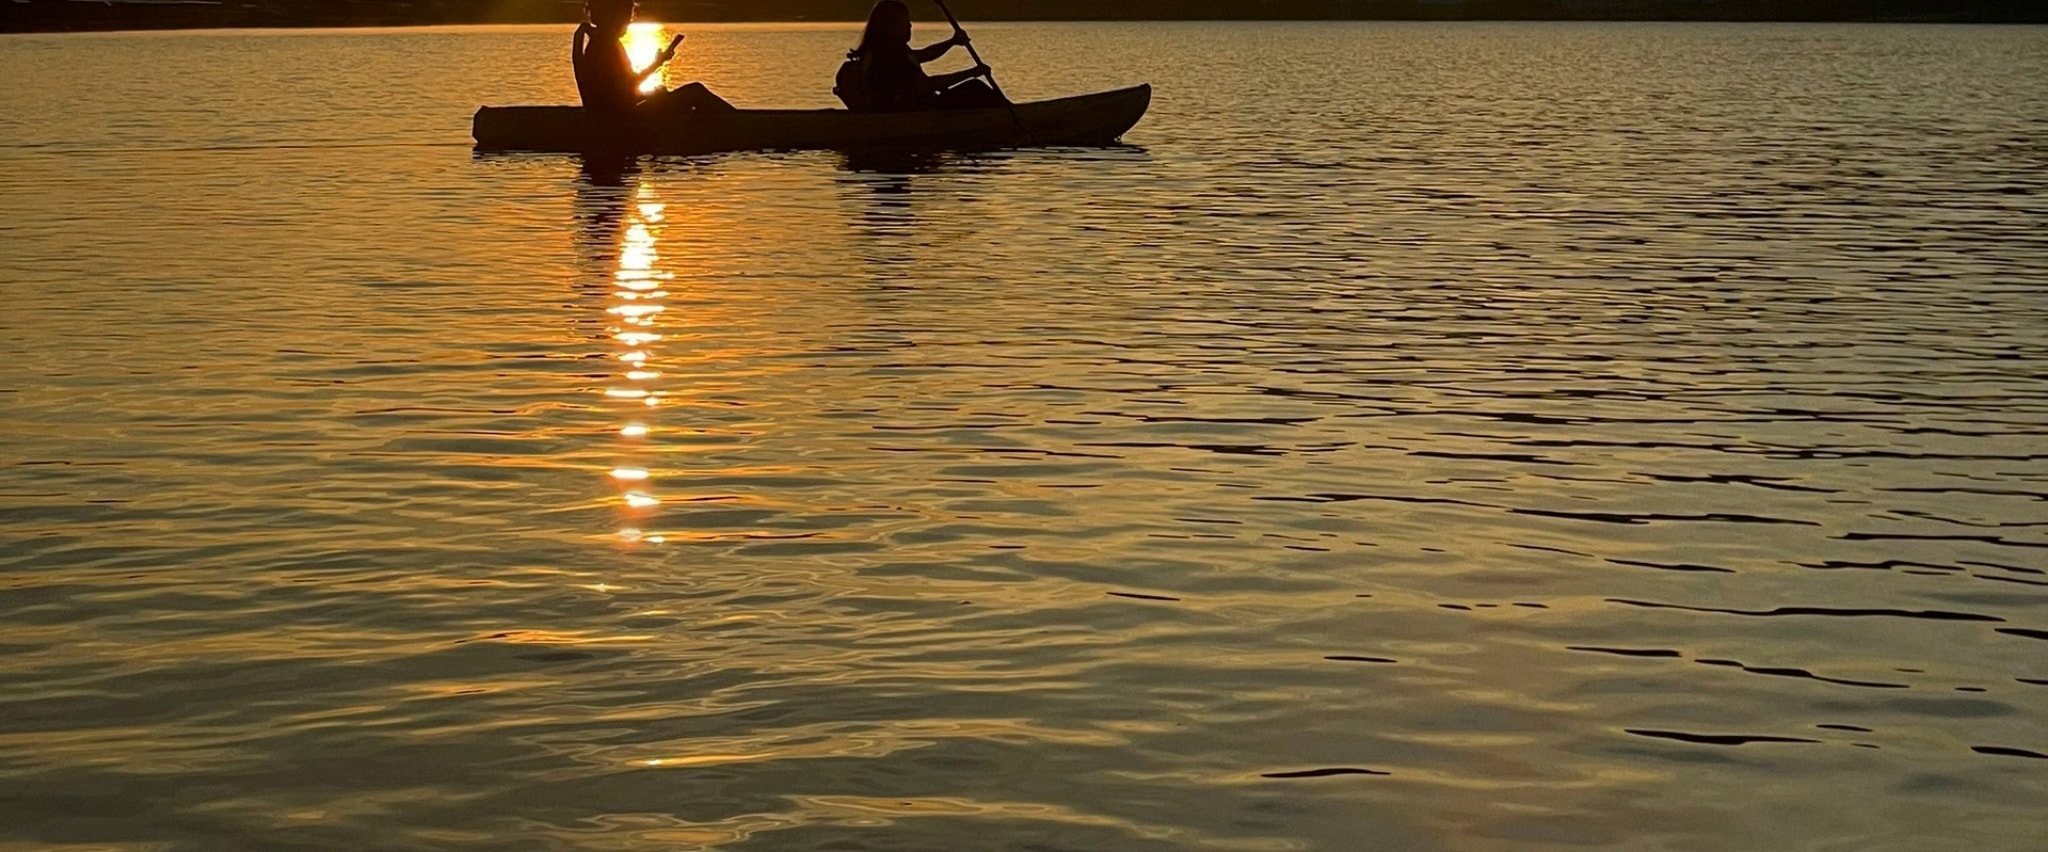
(1473, 437)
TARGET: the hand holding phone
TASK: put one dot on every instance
(669, 52)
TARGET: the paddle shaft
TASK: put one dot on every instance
(976, 56)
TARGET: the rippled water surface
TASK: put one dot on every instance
(1423, 437)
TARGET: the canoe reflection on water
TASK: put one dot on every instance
(610, 186)
(879, 191)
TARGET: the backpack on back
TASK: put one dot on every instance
(851, 86)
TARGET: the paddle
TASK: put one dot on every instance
(992, 84)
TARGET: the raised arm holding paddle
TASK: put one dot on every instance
(885, 74)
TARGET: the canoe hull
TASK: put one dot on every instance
(1098, 119)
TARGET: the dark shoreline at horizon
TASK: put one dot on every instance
(429, 24)
(49, 16)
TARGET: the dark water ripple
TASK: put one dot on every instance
(1525, 436)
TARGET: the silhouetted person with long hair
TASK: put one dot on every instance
(886, 74)
(604, 73)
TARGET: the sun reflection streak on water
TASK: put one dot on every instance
(636, 305)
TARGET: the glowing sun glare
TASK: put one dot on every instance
(644, 42)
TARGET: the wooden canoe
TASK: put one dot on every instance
(1098, 119)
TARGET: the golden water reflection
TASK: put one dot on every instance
(636, 313)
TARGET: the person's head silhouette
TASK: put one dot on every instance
(888, 24)
(610, 16)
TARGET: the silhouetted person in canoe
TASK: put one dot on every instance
(605, 76)
(886, 74)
